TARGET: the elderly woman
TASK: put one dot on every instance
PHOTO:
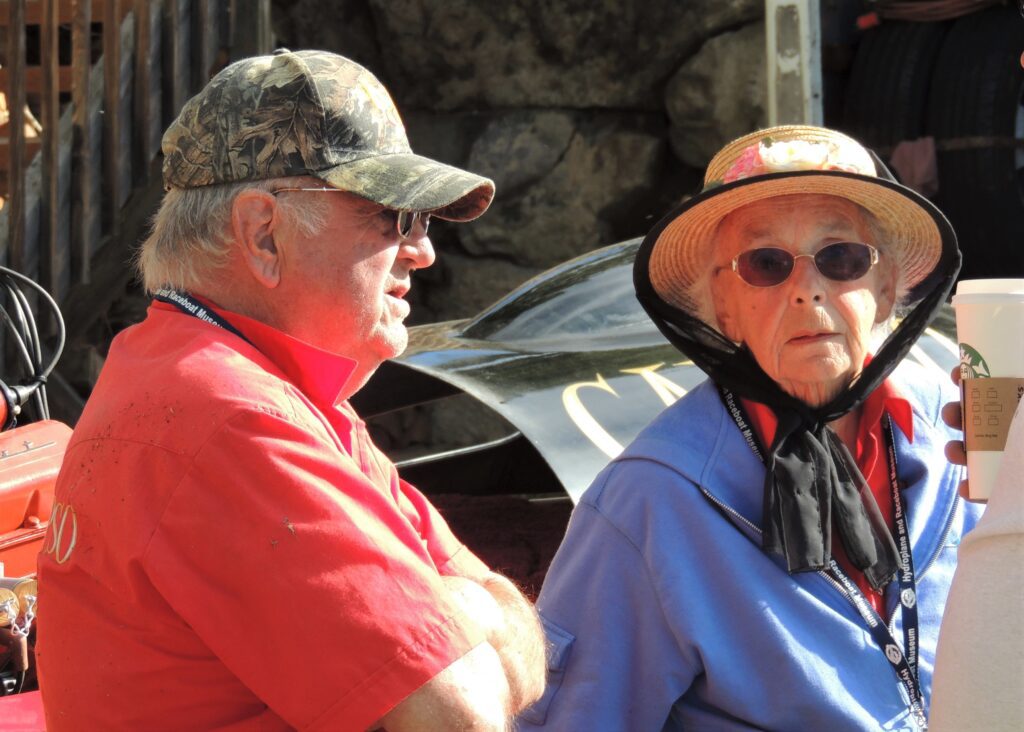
(775, 549)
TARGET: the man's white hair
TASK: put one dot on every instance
(190, 236)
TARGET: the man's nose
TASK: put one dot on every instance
(806, 283)
(419, 250)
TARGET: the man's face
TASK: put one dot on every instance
(347, 284)
(809, 333)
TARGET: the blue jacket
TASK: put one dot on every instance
(663, 612)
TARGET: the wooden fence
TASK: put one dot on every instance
(74, 211)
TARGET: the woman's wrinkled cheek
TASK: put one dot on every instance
(860, 313)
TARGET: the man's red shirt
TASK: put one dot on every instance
(869, 454)
(232, 551)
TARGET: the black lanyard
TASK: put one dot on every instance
(903, 661)
(184, 302)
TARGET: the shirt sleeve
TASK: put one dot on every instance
(616, 666)
(449, 554)
(303, 577)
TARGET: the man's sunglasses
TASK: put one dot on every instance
(842, 261)
(405, 221)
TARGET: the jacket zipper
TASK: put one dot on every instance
(730, 511)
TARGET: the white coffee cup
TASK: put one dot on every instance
(990, 330)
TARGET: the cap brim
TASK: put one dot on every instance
(408, 182)
(675, 252)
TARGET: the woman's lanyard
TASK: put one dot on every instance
(903, 663)
(184, 302)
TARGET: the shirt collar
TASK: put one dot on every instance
(319, 374)
(887, 399)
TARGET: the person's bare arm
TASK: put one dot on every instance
(520, 643)
(513, 630)
(492, 683)
(471, 695)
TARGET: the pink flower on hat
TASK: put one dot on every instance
(772, 156)
(747, 164)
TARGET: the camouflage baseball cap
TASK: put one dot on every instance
(312, 113)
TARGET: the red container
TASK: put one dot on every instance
(22, 713)
(30, 458)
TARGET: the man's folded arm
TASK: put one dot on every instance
(470, 695)
(509, 621)
(519, 641)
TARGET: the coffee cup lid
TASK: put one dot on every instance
(990, 287)
(989, 291)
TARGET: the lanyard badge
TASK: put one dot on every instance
(186, 304)
(903, 660)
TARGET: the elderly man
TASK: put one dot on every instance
(229, 549)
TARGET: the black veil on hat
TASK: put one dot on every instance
(811, 477)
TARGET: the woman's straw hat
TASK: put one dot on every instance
(780, 161)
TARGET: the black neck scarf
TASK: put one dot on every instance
(811, 481)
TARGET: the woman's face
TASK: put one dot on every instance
(809, 333)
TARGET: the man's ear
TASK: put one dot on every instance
(254, 219)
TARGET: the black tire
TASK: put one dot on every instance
(976, 92)
(887, 94)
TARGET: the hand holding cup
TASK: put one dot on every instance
(956, 453)
(989, 325)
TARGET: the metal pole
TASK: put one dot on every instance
(793, 49)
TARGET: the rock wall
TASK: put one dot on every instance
(592, 116)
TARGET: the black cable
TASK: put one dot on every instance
(20, 322)
(35, 351)
(26, 360)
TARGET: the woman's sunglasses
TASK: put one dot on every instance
(842, 261)
(405, 221)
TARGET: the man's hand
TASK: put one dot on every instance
(952, 415)
(520, 643)
(478, 604)
(512, 628)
